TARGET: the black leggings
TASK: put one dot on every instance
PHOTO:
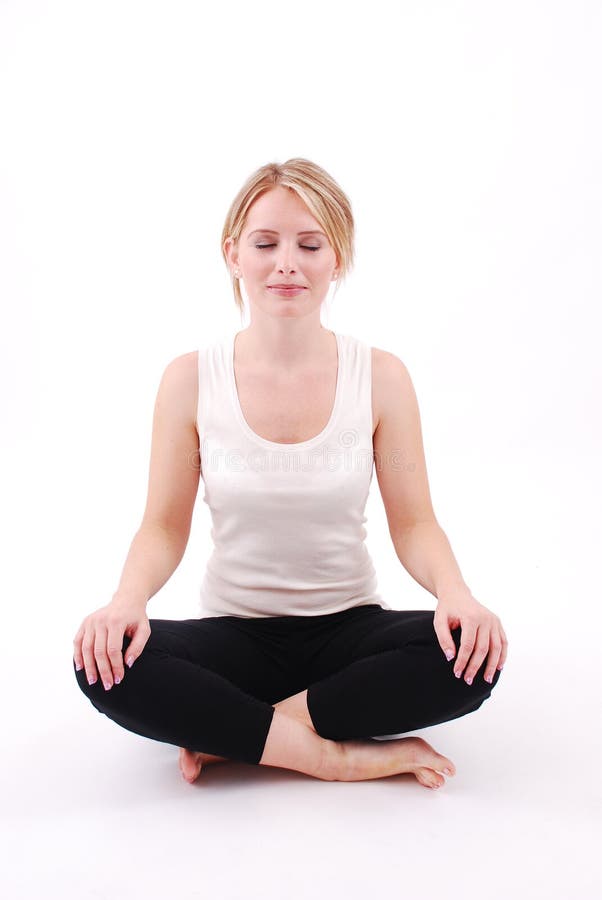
(209, 684)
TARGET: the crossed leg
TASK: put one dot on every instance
(214, 683)
(358, 760)
(398, 648)
(191, 761)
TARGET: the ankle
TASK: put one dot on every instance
(334, 762)
(292, 745)
(296, 707)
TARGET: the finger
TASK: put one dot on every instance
(114, 643)
(88, 655)
(467, 642)
(102, 660)
(488, 647)
(78, 658)
(495, 649)
(446, 642)
(137, 644)
(480, 652)
(504, 652)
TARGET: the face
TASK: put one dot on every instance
(274, 250)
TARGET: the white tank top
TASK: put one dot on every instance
(288, 519)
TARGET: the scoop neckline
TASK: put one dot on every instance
(277, 445)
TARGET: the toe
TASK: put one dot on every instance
(429, 778)
(190, 766)
(444, 763)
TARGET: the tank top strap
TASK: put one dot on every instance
(356, 406)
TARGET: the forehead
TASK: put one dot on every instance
(280, 208)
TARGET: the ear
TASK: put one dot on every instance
(231, 251)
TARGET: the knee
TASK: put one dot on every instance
(95, 692)
(483, 694)
(82, 682)
(106, 702)
(456, 634)
(494, 681)
(81, 676)
(483, 688)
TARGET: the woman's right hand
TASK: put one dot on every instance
(99, 640)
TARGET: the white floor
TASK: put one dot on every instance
(90, 810)
(93, 811)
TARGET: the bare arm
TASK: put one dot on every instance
(425, 552)
(420, 543)
(154, 555)
(159, 544)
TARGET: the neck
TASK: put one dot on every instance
(285, 345)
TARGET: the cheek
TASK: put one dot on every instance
(257, 266)
(320, 262)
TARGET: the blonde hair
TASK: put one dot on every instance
(324, 198)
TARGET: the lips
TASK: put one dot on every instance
(288, 291)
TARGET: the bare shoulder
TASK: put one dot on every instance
(389, 378)
(181, 377)
(399, 447)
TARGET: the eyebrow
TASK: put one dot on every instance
(271, 231)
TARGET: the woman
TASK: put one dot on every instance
(297, 662)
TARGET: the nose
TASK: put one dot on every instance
(286, 261)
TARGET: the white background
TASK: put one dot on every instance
(467, 136)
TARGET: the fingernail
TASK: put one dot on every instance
(78, 667)
(117, 680)
(107, 685)
(91, 680)
(130, 661)
(488, 678)
(458, 674)
(449, 655)
(447, 771)
(469, 681)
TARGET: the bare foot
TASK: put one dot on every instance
(191, 763)
(365, 759)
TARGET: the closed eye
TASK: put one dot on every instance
(265, 246)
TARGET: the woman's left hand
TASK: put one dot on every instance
(482, 634)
